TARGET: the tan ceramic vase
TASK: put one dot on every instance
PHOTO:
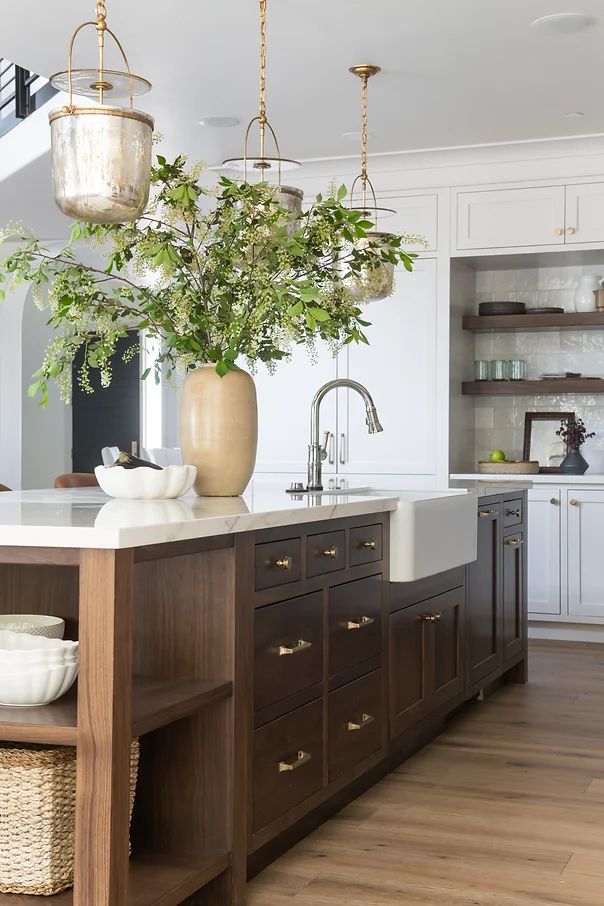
(219, 430)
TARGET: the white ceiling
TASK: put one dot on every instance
(455, 72)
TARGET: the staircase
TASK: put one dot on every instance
(21, 92)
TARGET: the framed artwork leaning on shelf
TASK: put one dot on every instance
(540, 440)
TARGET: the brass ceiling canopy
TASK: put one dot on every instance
(101, 155)
(364, 72)
(262, 162)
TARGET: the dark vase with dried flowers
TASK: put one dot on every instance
(574, 434)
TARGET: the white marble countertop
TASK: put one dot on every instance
(86, 517)
(542, 478)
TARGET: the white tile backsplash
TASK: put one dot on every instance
(499, 421)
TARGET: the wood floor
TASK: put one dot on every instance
(506, 808)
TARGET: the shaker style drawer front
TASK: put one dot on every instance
(325, 553)
(356, 721)
(288, 648)
(355, 623)
(512, 512)
(366, 544)
(277, 563)
(288, 762)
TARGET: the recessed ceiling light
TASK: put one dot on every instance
(574, 115)
(356, 136)
(564, 23)
(219, 122)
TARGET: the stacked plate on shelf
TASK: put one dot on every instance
(35, 670)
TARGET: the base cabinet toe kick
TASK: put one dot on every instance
(346, 674)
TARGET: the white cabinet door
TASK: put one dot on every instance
(399, 370)
(415, 214)
(509, 218)
(284, 400)
(544, 539)
(584, 210)
(585, 547)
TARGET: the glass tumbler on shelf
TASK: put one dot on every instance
(482, 370)
(517, 370)
(500, 370)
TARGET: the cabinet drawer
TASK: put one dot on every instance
(288, 762)
(356, 722)
(366, 544)
(355, 623)
(277, 563)
(325, 553)
(512, 512)
(288, 648)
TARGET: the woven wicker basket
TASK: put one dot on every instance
(37, 816)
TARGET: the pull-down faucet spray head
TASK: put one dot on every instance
(373, 422)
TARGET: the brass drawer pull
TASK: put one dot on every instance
(301, 759)
(300, 645)
(484, 514)
(331, 553)
(284, 563)
(368, 545)
(513, 542)
(515, 513)
(361, 623)
(431, 617)
(365, 720)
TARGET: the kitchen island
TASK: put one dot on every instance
(258, 649)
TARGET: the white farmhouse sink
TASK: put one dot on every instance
(430, 532)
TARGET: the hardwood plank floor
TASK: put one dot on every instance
(506, 808)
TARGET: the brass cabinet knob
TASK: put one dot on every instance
(554, 501)
(571, 230)
(573, 502)
(301, 645)
(368, 545)
(331, 553)
(558, 231)
(365, 720)
(284, 563)
(431, 617)
(515, 513)
(361, 623)
(301, 758)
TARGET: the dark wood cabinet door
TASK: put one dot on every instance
(355, 623)
(514, 596)
(408, 668)
(484, 611)
(355, 723)
(445, 616)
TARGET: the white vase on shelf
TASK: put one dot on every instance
(584, 296)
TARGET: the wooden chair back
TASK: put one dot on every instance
(4, 488)
(76, 480)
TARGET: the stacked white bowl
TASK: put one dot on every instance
(35, 670)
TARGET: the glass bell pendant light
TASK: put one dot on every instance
(101, 155)
(289, 197)
(377, 282)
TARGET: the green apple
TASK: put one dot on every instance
(497, 456)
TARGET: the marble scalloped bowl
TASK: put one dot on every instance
(145, 483)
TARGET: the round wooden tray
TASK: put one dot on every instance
(521, 467)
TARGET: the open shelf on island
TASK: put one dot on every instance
(154, 881)
(155, 703)
(533, 388)
(561, 321)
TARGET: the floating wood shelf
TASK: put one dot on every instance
(155, 703)
(563, 321)
(533, 388)
(152, 882)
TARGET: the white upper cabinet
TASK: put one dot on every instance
(414, 214)
(585, 546)
(399, 370)
(511, 218)
(544, 539)
(284, 400)
(585, 213)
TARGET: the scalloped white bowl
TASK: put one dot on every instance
(145, 483)
(33, 624)
(24, 651)
(36, 687)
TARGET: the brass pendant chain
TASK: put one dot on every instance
(101, 27)
(262, 113)
(364, 82)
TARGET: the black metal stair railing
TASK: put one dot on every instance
(21, 92)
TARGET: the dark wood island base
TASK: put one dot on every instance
(271, 675)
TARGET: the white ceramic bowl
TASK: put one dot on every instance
(145, 483)
(21, 649)
(33, 624)
(36, 687)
